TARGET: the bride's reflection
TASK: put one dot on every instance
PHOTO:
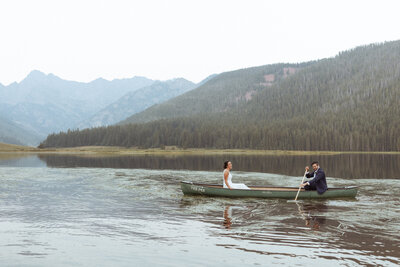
(227, 217)
(309, 212)
(211, 209)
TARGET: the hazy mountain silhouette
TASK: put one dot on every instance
(43, 104)
(137, 101)
(12, 133)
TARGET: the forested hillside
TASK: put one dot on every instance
(349, 103)
(221, 93)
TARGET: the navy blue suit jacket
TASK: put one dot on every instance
(319, 181)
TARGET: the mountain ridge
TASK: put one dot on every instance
(230, 89)
(44, 103)
(136, 101)
(13, 133)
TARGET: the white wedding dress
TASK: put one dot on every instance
(232, 185)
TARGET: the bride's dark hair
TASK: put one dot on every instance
(226, 164)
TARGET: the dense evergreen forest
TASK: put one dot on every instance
(222, 93)
(346, 103)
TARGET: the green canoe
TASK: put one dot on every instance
(189, 188)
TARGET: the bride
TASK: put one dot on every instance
(227, 183)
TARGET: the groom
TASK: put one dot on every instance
(318, 182)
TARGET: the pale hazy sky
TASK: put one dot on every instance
(83, 40)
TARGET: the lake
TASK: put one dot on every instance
(129, 211)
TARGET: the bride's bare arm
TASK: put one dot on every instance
(226, 179)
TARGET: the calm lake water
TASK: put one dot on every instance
(130, 211)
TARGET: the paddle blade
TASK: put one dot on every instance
(294, 201)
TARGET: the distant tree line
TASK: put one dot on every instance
(332, 135)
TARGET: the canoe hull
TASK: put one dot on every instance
(189, 188)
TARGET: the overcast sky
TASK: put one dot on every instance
(84, 40)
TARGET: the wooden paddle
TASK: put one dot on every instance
(302, 181)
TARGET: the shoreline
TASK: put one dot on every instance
(123, 151)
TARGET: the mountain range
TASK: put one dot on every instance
(43, 104)
(350, 102)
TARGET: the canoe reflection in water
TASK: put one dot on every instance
(306, 211)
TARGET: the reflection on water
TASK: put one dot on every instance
(227, 217)
(350, 166)
(309, 213)
(335, 231)
(138, 217)
(20, 160)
